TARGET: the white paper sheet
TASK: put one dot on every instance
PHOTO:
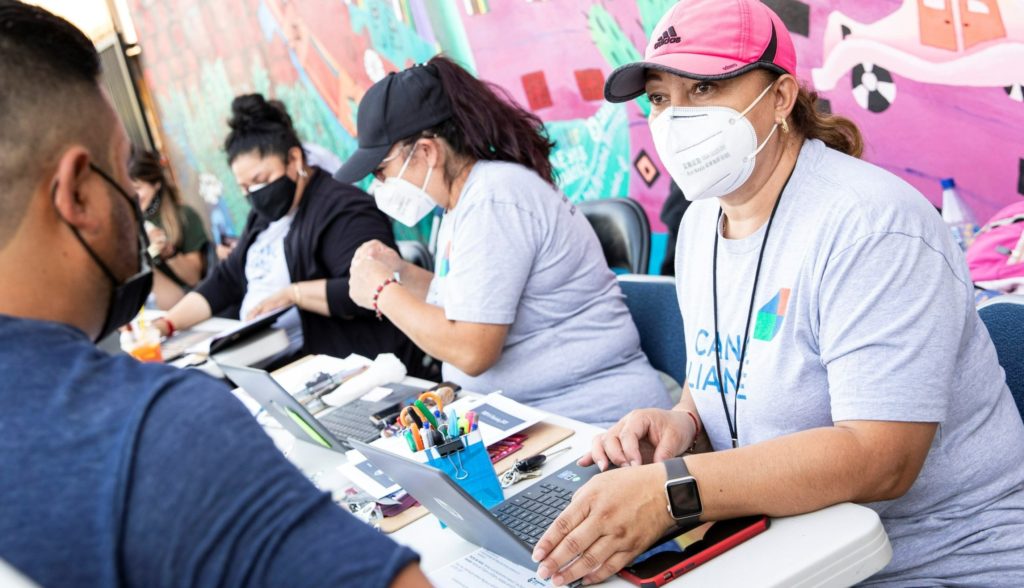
(482, 568)
(377, 394)
(498, 415)
(359, 474)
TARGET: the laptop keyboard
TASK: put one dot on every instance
(351, 420)
(530, 513)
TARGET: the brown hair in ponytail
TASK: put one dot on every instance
(487, 124)
(838, 132)
(145, 166)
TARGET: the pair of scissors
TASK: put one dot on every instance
(418, 411)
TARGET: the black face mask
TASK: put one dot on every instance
(274, 200)
(127, 298)
(154, 206)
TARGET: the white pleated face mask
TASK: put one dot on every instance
(402, 200)
(708, 150)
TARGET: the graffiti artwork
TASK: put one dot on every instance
(913, 74)
(966, 42)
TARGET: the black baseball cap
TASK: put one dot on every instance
(395, 108)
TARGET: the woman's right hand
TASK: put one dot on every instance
(380, 252)
(643, 436)
(161, 325)
(157, 240)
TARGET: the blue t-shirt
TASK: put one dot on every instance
(121, 473)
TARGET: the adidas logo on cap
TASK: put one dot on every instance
(667, 37)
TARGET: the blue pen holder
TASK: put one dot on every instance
(465, 460)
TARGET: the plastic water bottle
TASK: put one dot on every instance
(956, 214)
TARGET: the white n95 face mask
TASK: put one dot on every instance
(402, 200)
(709, 150)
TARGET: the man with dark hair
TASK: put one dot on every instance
(116, 472)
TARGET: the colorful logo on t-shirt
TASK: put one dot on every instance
(769, 318)
(444, 267)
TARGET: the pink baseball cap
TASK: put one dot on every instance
(709, 40)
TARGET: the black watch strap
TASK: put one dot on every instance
(676, 469)
(681, 491)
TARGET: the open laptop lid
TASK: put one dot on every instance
(294, 417)
(450, 503)
(222, 341)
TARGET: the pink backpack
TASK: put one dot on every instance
(996, 257)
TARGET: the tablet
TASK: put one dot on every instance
(673, 558)
(226, 339)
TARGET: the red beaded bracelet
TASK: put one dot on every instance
(170, 326)
(696, 431)
(392, 280)
(696, 423)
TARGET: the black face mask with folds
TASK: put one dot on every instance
(272, 201)
(127, 298)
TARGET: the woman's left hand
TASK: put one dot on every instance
(614, 517)
(365, 276)
(280, 299)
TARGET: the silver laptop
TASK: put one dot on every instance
(331, 428)
(510, 529)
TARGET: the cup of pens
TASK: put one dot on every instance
(452, 444)
(426, 427)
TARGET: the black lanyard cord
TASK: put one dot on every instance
(734, 421)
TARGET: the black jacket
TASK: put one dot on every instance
(332, 221)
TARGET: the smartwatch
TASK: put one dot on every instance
(681, 490)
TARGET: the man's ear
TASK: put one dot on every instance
(75, 189)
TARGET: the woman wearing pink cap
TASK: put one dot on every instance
(849, 362)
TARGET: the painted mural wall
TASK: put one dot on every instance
(934, 84)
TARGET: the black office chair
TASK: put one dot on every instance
(417, 254)
(655, 308)
(624, 232)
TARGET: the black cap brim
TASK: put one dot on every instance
(361, 164)
(626, 82)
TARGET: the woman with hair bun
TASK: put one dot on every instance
(296, 247)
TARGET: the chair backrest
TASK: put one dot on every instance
(1004, 318)
(652, 302)
(624, 231)
(416, 253)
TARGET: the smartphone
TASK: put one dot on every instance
(386, 413)
(673, 558)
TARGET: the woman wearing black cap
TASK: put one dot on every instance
(297, 245)
(522, 299)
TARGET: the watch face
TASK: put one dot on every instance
(683, 498)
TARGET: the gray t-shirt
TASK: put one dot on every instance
(865, 311)
(514, 251)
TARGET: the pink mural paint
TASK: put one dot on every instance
(933, 98)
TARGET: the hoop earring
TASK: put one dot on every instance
(785, 126)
